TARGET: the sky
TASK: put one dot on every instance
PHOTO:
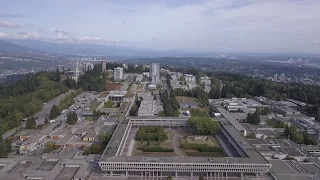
(196, 25)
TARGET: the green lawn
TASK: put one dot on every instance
(94, 105)
(108, 104)
(90, 118)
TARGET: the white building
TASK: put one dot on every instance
(154, 72)
(104, 66)
(189, 78)
(205, 80)
(118, 74)
(86, 66)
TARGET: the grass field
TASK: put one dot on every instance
(166, 144)
(94, 105)
(109, 104)
(189, 138)
(186, 99)
(90, 118)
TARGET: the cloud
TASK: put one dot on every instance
(8, 24)
(58, 38)
(21, 35)
(317, 42)
(8, 15)
(61, 32)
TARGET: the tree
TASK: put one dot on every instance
(169, 177)
(31, 123)
(204, 125)
(254, 118)
(134, 110)
(49, 147)
(54, 112)
(3, 150)
(72, 118)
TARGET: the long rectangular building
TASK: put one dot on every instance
(115, 164)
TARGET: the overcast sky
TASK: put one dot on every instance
(198, 25)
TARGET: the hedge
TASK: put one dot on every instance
(192, 146)
(157, 149)
(203, 153)
(210, 149)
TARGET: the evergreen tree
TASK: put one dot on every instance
(72, 118)
(54, 112)
(31, 123)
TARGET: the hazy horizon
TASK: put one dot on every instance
(272, 26)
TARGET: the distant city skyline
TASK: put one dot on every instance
(202, 25)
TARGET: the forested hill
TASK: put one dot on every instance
(25, 97)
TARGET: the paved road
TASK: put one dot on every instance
(175, 141)
(41, 115)
(44, 113)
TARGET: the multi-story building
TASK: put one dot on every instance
(154, 72)
(86, 66)
(189, 78)
(104, 66)
(118, 74)
(248, 160)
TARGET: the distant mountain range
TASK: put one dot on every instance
(10, 48)
(97, 50)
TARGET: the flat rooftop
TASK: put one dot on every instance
(254, 156)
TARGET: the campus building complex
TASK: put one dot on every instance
(243, 159)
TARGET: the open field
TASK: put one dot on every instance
(94, 105)
(186, 137)
(109, 104)
(90, 118)
(166, 144)
(186, 99)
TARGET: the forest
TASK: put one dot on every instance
(93, 80)
(26, 97)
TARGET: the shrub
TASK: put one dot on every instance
(157, 149)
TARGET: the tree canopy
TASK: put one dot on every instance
(72, 118)
(204, 125)
(26, 97)
(31, 123)
(254, 118)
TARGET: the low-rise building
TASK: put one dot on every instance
(32, 144)
(117, 95)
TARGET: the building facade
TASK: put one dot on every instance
(118, 74)
(154, 72)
